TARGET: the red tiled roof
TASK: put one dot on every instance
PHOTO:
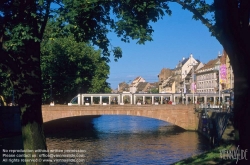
(210, 64)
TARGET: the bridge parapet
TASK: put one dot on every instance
(180, 115)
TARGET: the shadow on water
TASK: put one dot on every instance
(84, 127)
(72, 127)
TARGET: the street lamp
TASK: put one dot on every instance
(184, 86)
(193, 85)
(13, 97)
(51, 94)
(219, 56)
(231, 73)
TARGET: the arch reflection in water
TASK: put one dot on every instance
(124, 139)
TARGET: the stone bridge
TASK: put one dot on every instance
(180, 115)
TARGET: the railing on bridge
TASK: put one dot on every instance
(146, 98)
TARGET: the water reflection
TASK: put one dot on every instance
(124, 139)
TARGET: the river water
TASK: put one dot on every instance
(124, 139)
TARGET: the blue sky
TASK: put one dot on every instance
(174, 37)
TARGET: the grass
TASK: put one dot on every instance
(210, 157)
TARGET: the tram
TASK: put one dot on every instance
(149, 98)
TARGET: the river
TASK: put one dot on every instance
(124, 139)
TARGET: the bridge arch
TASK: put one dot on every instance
(180, 115)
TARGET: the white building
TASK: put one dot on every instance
(183, 69)
(135, 83)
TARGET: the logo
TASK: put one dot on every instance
(237, 154)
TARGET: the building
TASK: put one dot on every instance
(164, 74)
(142, 87)
(138, 85)
(166, 82)
(167, 85)
(230, 74)
(123, 87)
(179, 80)
(214, 76)
(190, 78)
(181, 72)
(153, 87)
(207, 77)
(135, 83)
(223, 70)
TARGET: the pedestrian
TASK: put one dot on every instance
(166, 100)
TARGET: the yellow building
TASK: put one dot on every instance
(230, 75)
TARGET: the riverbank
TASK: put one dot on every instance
(217, 155)
(214, 156)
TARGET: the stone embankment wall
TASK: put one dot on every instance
(10, 123)
(213, 124)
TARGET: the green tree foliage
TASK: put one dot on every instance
(129, 19)
(22, 26)
(5, 86)
(69, 67)
(154, 90)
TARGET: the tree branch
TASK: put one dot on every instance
(197, 14)
(46, 17)
(3, 54)
(1, 32)
(245, 14)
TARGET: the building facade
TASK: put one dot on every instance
(165, 81)
(230, 74)
(167, 85)
(183, 72)
(133, 86)
(164, 74)
(207, 77)
(123, 87)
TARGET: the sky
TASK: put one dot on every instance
(174, 37)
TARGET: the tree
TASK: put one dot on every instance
(69, 67)
(5, 87)
(154, 90)
(20, 36)
(69, 78)
(22, 25)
